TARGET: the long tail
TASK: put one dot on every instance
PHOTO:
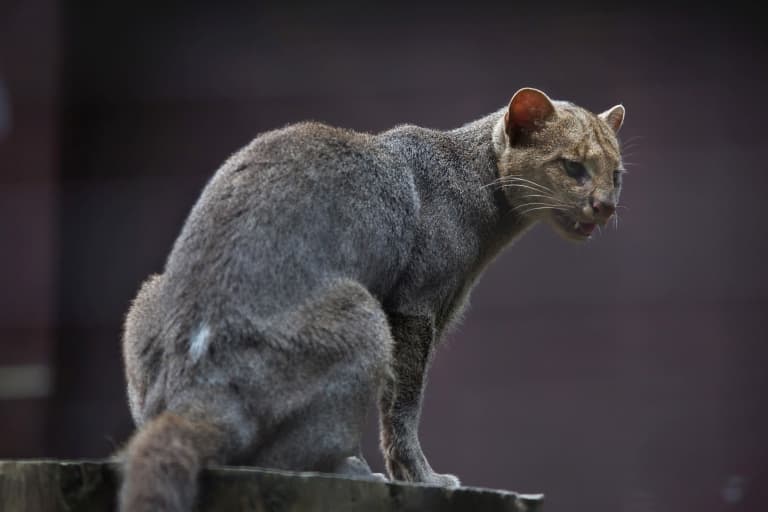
(163, 461)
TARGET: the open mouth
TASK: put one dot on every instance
(573, 227)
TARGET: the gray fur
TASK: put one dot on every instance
(322, 267)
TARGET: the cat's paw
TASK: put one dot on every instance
(356, 466)
(379, 477)
(449, 481)
(417, 469)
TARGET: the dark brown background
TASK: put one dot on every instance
(626, 373)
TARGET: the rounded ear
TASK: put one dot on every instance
(614, 116)
(528, 110)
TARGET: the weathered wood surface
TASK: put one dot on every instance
(89, 486)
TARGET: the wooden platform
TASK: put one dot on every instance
(75, 486)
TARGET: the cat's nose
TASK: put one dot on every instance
(603, 209)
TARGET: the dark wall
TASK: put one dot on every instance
(29, 166)
(626, 373)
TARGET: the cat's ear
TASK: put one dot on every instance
(614, 116)
(528, 110)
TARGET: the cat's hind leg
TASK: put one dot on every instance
(336, 355)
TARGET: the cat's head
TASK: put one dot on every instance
(559, 162)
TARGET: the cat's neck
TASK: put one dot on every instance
(456, 174)
(480, 143)
(483, 137)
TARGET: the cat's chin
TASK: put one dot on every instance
(570, 228)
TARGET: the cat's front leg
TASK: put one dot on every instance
(400, 403)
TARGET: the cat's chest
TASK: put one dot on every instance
(448, 255)
(444, 262)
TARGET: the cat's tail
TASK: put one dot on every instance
(162, 462)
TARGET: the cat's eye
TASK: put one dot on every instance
(575, 170)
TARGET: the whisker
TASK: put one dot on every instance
(515, 180)
(635, 139)
(517, 177)
(541, 188)
(494, 182)
(526, 180)
(539, 195)
(534, 204)
(520, 185)
(554, 201)
(526, 212)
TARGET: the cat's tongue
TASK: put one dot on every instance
(585, 228)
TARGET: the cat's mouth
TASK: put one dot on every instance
(573, 228)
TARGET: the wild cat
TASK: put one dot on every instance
(317, 273)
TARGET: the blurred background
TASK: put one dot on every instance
(627, 373)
